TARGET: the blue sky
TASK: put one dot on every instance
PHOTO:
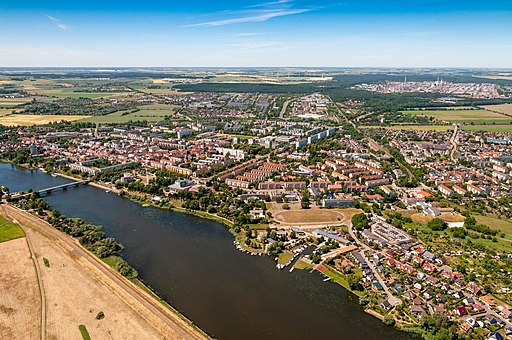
(413, 33)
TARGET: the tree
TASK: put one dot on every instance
(388, 320)
(304, 203)
(360, 221)
(437, 224)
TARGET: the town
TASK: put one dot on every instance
(415, 222)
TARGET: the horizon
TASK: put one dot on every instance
(250, 34)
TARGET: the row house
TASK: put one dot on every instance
(377, 182)
(474, 189)
(445, 190)
(237, 183)
(270, 185)
(319, 184)
(459, 190)
(357, 188)
(500, 175)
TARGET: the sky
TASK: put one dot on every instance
(250, 33)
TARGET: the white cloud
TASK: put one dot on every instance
(272, 3)
(58, 23)
(256, 16)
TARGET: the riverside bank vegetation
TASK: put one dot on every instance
(90, 236)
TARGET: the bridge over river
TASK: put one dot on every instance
(64, 186)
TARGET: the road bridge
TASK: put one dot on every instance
(65, 186)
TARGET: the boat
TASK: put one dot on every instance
(54, 175)
(107, 191)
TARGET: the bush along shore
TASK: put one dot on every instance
(90, 236)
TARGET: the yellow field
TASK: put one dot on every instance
(502, 108)
(28, 120)
(11, 102)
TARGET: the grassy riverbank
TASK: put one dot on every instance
(9, 230)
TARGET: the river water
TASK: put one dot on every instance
(192, 263)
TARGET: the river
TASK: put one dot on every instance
(192, 263)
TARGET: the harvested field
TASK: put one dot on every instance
(307, 216)
(502, 108)
(448, 217)
(29, 120)
(78, 286)
(312, 217)
(20, 303)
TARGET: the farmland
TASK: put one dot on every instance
(463, 116)
(150, 113)
(502, 108)
(29, 120)
(487, 128)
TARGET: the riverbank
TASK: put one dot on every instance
(146, 200)
(77, 281)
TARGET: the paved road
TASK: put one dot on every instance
(151, 304)
(283, 110)
(392, 299)
(453, 141)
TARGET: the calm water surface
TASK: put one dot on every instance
(191, 262)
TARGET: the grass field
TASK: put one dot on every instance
(9, 230)
(503, 225)
(148, 112)
(463, 116)
(29, 120)
(285, 257)
(71, 93)
(487, 128)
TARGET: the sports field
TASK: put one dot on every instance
(463, 116)
(29, 120)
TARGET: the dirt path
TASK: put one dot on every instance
(78, 285)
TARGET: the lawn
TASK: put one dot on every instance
(9, 230)
(29, 120)
(463, 116)
(284, 257)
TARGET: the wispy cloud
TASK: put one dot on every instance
(272, 3)
(256, 16)
(255, 13)
(59, 23)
